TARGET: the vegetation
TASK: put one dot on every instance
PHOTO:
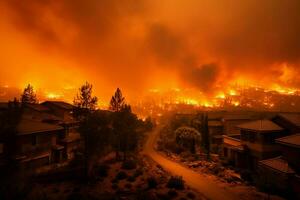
(85, 102)
(117, 101)
(28, 96)
(176, 182)
(187, 137)
(152, 182)
(129, 164)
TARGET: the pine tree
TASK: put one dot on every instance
(117, 101)
(28, 96)
(85, 102)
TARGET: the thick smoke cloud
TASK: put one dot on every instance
(201, 43)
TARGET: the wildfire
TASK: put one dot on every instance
(52, 95)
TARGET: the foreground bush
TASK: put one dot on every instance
(152, 182)
(103, 170)
(121, 175)
(129, 164)
(176, 182)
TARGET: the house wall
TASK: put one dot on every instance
(33, 144)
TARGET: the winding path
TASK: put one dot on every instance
(207, 187)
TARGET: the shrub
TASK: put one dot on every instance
(128, 185)
(138, 173)
(191, 195)
(121, 175)
(129, 164)
(152, 182)
(172, 193)
(114, 186)
(176, 182)
(131, 179)
(103, 170)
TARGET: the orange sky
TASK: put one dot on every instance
(144, 44)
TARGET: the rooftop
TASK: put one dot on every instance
(292, 140)
(261, 126)
(60, 104)
(291, 117)
(38, 107)
(27, 126)
(278, 164)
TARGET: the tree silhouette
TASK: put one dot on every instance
(125, 124)
(28, 95)
(117, 101)
(205, 134)
(84, 102)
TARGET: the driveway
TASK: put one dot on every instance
(197, 181)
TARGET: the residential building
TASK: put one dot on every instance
(281, 174)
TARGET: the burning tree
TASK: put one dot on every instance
(28, 95)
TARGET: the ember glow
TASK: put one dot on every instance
(199, 53)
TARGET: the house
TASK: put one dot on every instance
(231, 121)
(37, 143)
(59, 108)
(233, 150)
(256, 142)
(258, 138)
(282, 173)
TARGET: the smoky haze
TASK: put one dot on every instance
(143, 44)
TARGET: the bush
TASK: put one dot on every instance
(152, 182)
(131, 179)
(172, 193)
(129, 164)
(114, 186)
(103, 170)
(121, 175)
(176, 182)
(191, 195)
(128, 185)
(138, 173)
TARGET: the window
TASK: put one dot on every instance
(33, 141)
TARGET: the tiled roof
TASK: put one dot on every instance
(278, 164)
(261, 126)
(293, 118)
(292, 140)
(27, 126)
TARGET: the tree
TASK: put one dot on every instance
(125, 124)
(96, 129)
(187, 137)
(117, 101)
(85, 102)
(28, 95)
(205, 134)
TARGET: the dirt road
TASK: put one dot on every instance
(208, 188)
